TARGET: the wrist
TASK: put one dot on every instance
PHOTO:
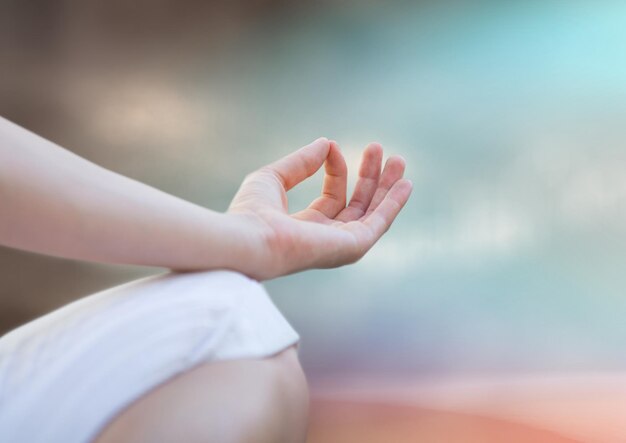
(243, 247)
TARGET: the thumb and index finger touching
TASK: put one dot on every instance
(385, 198)
(301, 164)
(265, 186)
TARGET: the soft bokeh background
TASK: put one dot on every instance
(509, 258)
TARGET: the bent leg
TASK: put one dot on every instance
(237, 401)
(93, 358)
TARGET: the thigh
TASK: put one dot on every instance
(238, 401)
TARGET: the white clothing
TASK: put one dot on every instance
(65, 375)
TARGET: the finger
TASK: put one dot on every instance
(383, 216)
(393, 171)
(299, 165)
(366, 185)
(333, 198)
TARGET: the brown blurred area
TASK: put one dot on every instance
(101, 78)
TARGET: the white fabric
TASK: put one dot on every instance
(65, 375)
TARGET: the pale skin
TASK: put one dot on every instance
(57, 203)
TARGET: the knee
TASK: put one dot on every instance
(282, 414)
(292, 384)
(237, 401)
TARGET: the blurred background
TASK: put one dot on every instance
(505, 273)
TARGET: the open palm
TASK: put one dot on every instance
(327, 233)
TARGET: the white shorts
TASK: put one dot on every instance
(65, 375)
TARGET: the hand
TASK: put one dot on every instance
(327, 233)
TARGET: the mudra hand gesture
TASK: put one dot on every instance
(327, 233)
(55, 202)
(60, 204)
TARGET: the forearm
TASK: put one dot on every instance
(54, 202)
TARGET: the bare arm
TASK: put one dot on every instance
(57, 203)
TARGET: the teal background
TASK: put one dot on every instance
(509, 256)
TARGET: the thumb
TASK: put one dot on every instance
(302, 164)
